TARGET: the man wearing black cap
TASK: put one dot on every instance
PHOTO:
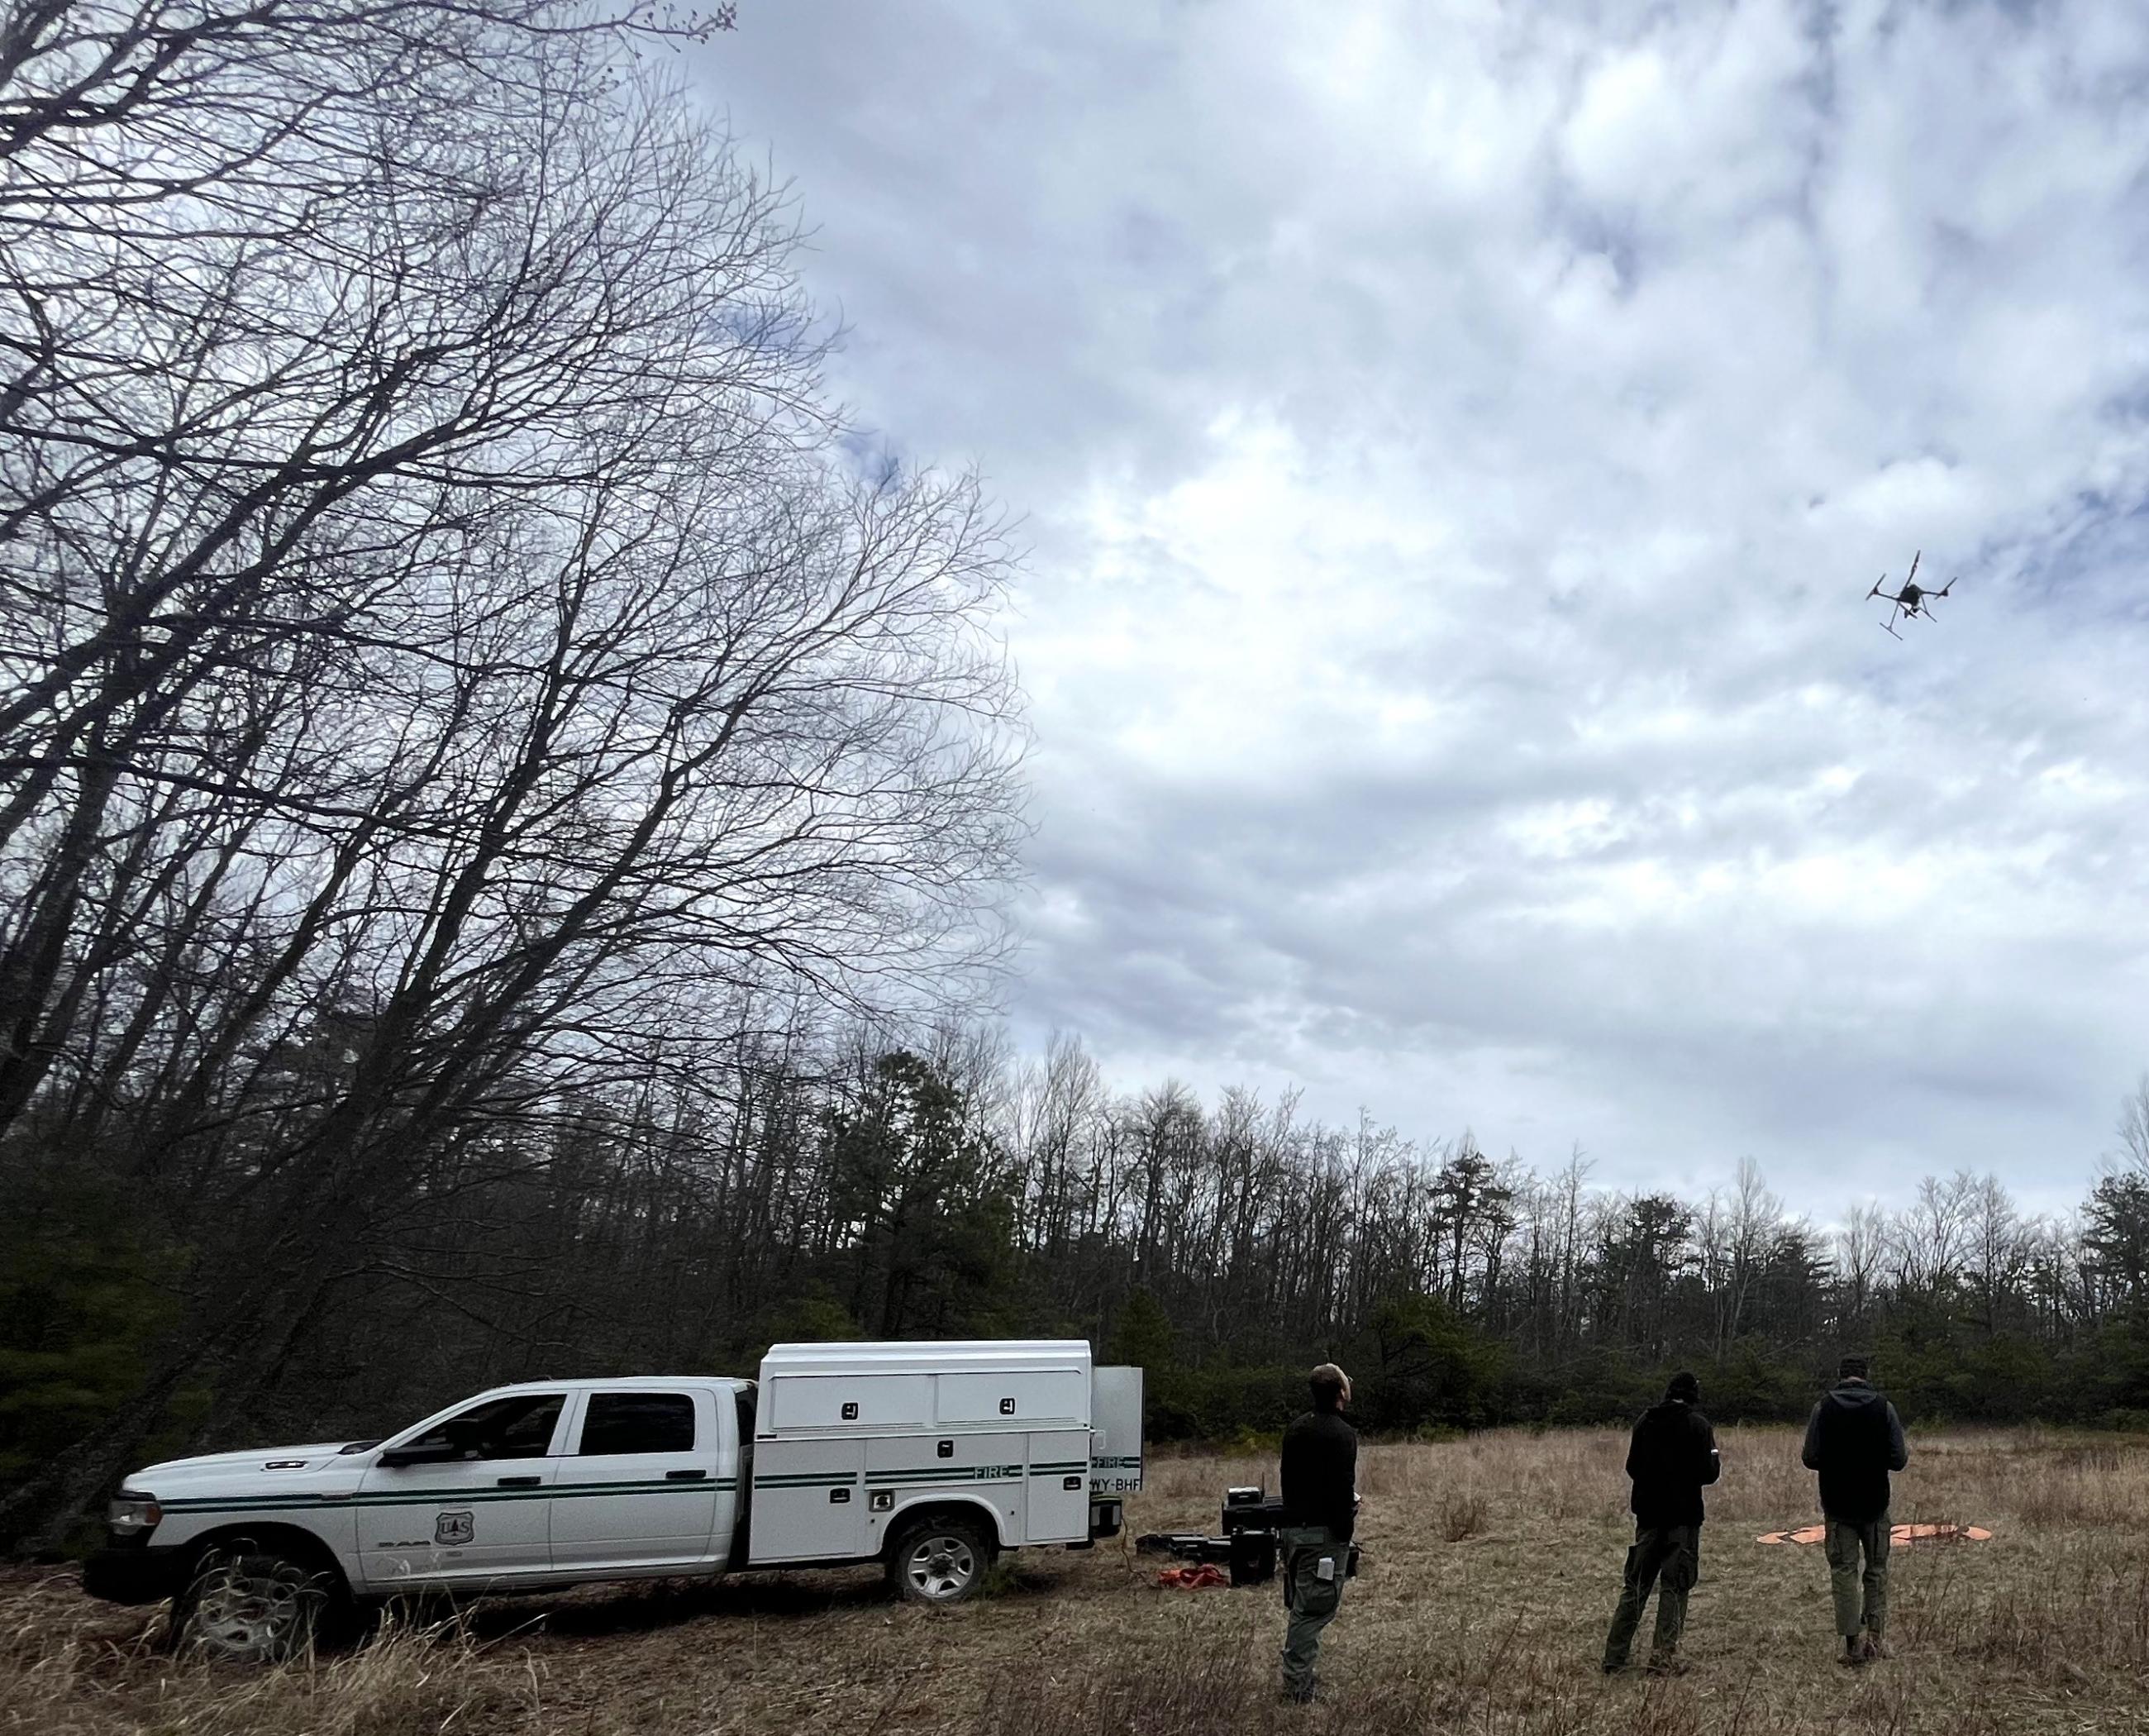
(1854, 1439)
(1671, 1458)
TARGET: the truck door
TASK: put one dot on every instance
(482, 1513)
(638, 1485)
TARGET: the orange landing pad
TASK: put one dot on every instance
(1896, 1534)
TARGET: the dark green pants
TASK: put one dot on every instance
(1311, 1600)
(1861, 1598)
(1668, 1558)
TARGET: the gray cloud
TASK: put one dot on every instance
(1454, 458)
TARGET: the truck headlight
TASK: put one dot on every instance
(132, 1512)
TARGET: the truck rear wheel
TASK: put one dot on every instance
(252, 1605)
(940, 1559)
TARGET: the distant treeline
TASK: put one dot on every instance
(827, 1189)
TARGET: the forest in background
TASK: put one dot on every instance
(826, 1186)
(506, 800)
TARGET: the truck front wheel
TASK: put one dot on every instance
(252, 1605)
(940, 1559)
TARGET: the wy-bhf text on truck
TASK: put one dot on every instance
(927, 1458)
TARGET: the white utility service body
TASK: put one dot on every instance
(841, 1453)
(849, 1437)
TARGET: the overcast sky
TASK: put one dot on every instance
(1455, 442)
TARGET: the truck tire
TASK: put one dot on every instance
(941, 1558)
(253, 1604)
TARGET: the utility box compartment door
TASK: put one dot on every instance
(807, 1502)
(1014, 1401)
(903, 1471)
(1116, 1431)
(848, 1401)
(1058, 1487)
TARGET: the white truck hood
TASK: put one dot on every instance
(218, 1471)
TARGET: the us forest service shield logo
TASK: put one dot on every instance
(450, 1530)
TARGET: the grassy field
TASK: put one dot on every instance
(1493, 1566)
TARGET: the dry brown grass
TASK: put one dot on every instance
(1492, 1567)
(1457, 1514)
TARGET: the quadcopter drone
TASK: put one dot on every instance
(1912, 600)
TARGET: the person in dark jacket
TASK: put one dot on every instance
(1671, 1458)
(1854, 1440)
(1320, 1483)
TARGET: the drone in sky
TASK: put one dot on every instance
(1912, 599)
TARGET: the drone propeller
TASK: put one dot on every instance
(1875, 591)
(1913, 578)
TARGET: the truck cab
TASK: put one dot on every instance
(927, 1457)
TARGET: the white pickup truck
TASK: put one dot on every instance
(927, 1458)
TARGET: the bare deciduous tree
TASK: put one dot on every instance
(451, 662)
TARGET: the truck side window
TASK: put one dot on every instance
(519, 1426)
(638, 1422)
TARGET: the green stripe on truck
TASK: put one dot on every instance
(429, 1497)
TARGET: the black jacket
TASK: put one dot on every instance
(1671, 1458)
(1320, 1472)
(1854, 1440)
